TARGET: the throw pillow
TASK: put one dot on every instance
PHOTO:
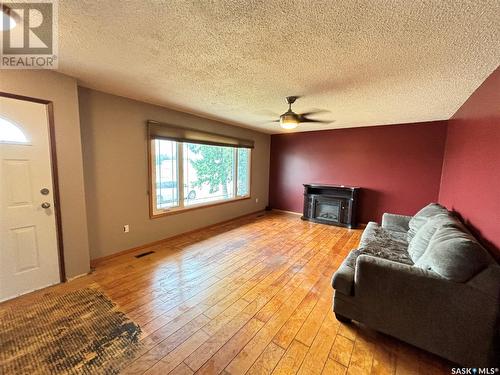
(454, 254)
(421, 217)
(419, 243)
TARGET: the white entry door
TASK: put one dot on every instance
(28, 238)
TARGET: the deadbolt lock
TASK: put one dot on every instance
(44, 191)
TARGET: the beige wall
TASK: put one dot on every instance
(62, 91)
(116, 175)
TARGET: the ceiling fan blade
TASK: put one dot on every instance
(314, 112)
(269, 122)
(310, 120)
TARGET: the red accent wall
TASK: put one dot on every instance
(470, 182)
(397, 166)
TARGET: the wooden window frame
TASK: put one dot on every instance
(154, 213)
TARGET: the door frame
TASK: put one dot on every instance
(55, 177)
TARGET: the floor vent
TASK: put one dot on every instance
(144, 254)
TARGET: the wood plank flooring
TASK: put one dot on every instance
(251, 296)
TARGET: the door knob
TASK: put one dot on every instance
(45, 205)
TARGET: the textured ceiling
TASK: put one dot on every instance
(368, 62)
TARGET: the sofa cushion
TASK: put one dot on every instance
(421, 217)
(369, 233)
(397, 236)
(419, 243)
(394, 254)
(395, 222)
(382, 243)
(374, 233)
(454, 254)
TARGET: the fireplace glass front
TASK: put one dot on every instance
(328, 210)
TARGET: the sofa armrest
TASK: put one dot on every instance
(343, 278)
(427, 310)
(399, 223)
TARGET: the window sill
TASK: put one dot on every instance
(174, 211)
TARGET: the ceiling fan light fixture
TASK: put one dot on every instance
(289, 120)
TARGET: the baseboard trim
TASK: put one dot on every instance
(95, 262)
(76, 277)
(288, 212)
(360, 225)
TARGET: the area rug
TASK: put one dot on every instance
(81, 332)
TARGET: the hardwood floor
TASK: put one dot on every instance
(250, 296)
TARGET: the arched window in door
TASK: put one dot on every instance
(10, 132)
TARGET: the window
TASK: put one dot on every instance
(186, 175)
(165, 174)
(243, 172)
(10, 133)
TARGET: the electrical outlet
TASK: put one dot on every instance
(126, 228)
(256, 200)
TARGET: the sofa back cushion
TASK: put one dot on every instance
(454, 254)
(422, 216)
(420, 242)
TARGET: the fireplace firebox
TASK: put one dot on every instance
(331, 204)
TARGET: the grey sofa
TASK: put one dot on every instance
(427, 281)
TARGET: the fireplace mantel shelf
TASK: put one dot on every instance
(325, 186)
